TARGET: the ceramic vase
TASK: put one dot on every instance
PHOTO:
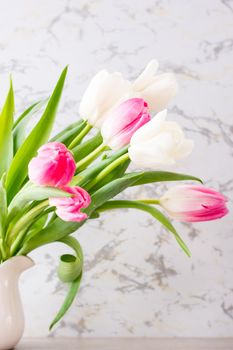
(11, 310)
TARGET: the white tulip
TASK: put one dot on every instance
(104, 92)
(159, 143)
(156, 90)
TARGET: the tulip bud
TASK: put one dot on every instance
(190, 203)
(123, 121)
(103, 93)
(156, 90)
(159, 143)
(54, 166)
(69, 208)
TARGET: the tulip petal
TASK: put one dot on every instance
(54, 166)
(150, 129)
(123, 121)
(147, 76)
(68, 208)
(104, 92)
(190, 203)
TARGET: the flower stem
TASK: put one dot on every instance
(83, 163)
(4, 249)
(80, 136)
(149, 201)
(17, 243)
(107, 170)
(25, 220)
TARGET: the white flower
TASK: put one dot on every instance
(107, 90)
(156, 90)
(104, 92)
(158, 143)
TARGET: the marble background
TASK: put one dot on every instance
(137, 281)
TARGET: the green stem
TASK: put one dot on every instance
(70, 130)
(80, 136)
(108, 170)
(16, 242)
(149, 201)
(121, 203)
(83, 163)
(26, 219)
(27, 231)
(4, 250)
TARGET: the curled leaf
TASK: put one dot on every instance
(70, 270)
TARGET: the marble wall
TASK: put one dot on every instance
(137, 281)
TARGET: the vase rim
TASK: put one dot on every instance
(22, 260)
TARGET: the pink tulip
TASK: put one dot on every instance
(192, 203)
(68, 208)
(54, 166)
(123, 121)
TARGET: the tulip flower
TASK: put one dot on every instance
(54, 166)
(69, 208)
(157, 90)
(103, 93)
(190, 203)
(159, 143)
(123, 121)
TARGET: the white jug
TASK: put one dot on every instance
(11, 311)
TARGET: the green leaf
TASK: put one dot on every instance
(111, 189)
(39, 223)
(6, 137)
(59, 229)
(82, 150)
(74, 287)
(19, 128)
(152, 211)
(160, 176)
(38, 136)
(23, 202)
(70, 266)
(67, 135)
(115, 174)
(55, 231)
(70, 270)
(87, 175)
(33, 192)
(3, 206)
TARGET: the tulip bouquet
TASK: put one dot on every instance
(50, 187)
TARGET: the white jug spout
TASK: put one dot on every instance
(23, 263)
(18, 264)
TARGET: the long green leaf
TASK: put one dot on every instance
(70, 266)
(111, 189)
(3, 206)
(87, 147)
(74, 287)
(36, 138)
(66, 136)
(152, 211)
(160, 176)
(39, 223)
(33, 193)
(59, 229)
(70, 270)
(85, 176)
(118, 172)
(6, 137)
(19, 128)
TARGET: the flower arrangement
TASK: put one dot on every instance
(50, 187)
